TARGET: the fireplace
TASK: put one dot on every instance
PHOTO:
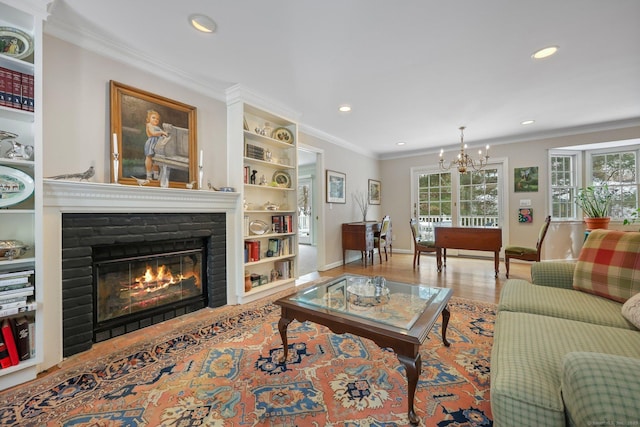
(128, 289)
(116, 266)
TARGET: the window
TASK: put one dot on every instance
(434, 195)
(563, 169)
(479, 198)
(617, 170)
(616, 167)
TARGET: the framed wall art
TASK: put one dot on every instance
(154, 138)
(374, 192)
(525, 179)
(336, 187)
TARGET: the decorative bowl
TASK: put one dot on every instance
(10, 249)
(364, 292)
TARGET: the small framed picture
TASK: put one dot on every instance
(336, 187)
(525, 179)
(374, 192)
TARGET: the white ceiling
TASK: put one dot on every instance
(413, 70)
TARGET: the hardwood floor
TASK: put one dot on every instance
(468, 277)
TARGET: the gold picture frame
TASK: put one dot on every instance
(151, 136)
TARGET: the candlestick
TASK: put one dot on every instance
(200, 173)
(116, 158)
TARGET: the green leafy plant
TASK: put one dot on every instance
(635, 216)
(595, 200)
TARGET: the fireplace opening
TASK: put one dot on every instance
(130, 291)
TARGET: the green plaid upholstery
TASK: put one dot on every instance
(609, 265)
(601, 390)
(558, 274)
(519, 250)
(522, 296)
(526, 364)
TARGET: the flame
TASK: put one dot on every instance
(152, 282)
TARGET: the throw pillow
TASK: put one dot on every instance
(631, 310)
(609, 265)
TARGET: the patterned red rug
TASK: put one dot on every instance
(225, 373)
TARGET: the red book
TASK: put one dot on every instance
(25, 91)
(10, 342)
(3, 90)
(17, 89)
(5, 360)
(31, 93)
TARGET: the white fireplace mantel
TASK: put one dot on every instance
(74, 196)
(86, 197)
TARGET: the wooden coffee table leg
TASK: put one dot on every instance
(445, 322)
(413, 368)
(282, 327)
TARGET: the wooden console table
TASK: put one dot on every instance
(358, 236)
(471, 238)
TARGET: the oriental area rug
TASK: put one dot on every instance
(223, 370)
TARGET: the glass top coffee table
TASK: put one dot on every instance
(394, 315)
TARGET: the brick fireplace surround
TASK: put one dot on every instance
(72, 197)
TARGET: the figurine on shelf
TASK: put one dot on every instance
(263, 180)
(267, 156)
(252, 179)
(82, 176)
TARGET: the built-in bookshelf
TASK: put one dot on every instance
(21, 281)
(266, 145)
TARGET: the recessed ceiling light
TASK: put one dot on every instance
(527, 122)
(345, 108)
(202, 23)
(545, 52)
(400, 143)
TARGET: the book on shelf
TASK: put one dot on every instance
(15, 283)
(253, 247)
(32, 337)
(13, 304)
(16, 89)
(30, 306)
(21, 328)
(13, 274)
(5, 360)
(10, 341)
(14, 293)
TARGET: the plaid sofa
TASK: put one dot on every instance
(563, 355)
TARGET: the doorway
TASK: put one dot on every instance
(307, 211)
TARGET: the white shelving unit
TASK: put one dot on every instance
(23, 221)
(271, 157)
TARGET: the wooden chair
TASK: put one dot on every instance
(382, 239)
(526, 253)
(420, 246)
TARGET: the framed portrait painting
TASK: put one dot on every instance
(153, 137)
(336, 187)
(374, 192)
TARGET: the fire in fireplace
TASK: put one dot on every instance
(131, 285)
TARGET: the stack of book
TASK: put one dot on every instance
(16, 90)
(16, 297)
(254, 152)
(282, 223)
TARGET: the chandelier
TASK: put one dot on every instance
(464, 162)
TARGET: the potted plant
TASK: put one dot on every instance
(595, 202)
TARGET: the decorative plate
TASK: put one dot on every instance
(283, 134)
(15, 43)
(15, 186)
(258, 227)
(282, 178)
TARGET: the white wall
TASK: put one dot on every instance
(76, 106)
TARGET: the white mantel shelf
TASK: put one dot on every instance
(60, 196)
(75, 196)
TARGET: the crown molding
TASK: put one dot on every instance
(537, 136)
(123, 53)
(239, 92)
(311, 131)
